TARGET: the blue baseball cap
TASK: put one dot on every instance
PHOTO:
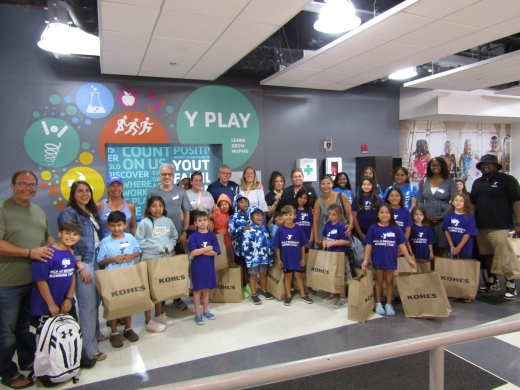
(114, 179)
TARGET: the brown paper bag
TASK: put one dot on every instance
(221, 261)
(125, 291)
(361, 297)
(275, 283)
(423, 295)
(168, 277)
(460, 277)
(229, 286)
(506, 261)
(326, 270)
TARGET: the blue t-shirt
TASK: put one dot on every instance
(409, 192)
(290, 242)
(420, 238)
(385, 241)
(348, 193)
(365, 216)
(203, 266)
(333, 233)
(58, 272)
(458, 225)
(110, 248)
(305, 220)
(403, 218)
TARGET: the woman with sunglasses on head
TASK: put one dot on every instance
(252, 189)
(290, 192)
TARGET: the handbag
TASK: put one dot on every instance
(460, 277)
(168, 277)
(125, 290)
(358, 250)
(361, 297)
(423, 295)
(326, 270)
(506, 261)
(229, 286)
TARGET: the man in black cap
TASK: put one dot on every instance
(496, 198)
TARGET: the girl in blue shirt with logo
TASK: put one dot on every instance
(421, 237)
(304, 217)
(402, 216)
(460, 228)
(365, 205)
(383, 240)
(402, 182)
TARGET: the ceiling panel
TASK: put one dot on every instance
(177, 48)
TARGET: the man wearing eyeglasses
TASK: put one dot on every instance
(177, 205)
(24, 235)
(223, 185)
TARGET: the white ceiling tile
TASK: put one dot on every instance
(192, 27)
(211, 66)
(278, 82)
(247, 34)
(352, 47)
(127, 18)
(395, 26)
(163, 63)
(436, 33)
(391, 52)
(437, 9)
(111, 40)
(225, 9)
(177, 48)
(112, 59)
(231, 53)
(328, 77)
(471, 40)
(511, 26)
(323, 61)
(354, 65)
(138, 3)
(485, 13)
(338, 87)
(309, 84)
(273, 12)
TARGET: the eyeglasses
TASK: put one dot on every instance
(23, 184)
(166, 174)
(225, 173)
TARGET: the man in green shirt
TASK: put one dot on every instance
(24, 235)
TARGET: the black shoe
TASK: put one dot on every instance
(492, 284)
(255, 299)
(287, 301)
(87, 362)
(510, 291)
(267, 295)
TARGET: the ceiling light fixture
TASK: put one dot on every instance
(404, 74)
(337, 16)
(61, 38)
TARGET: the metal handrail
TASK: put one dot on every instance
(307, 367)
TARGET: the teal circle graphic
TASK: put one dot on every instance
(217, 114)
(51, 142)
(85, 145)
(169, 109)
(55, 99)
(71, 110)
(36, 114)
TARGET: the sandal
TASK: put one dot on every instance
(104, 338)
(19, 381)
(99, 356)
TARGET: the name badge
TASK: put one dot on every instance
(440, 190)
(124, 244)
(175, 197)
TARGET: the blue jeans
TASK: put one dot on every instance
(88, 308)
(15, 335)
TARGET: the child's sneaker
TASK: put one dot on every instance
(116, 340)
(491, 284)
(306, 299)
(255, 299)
(389, 310)
(209, 315)
(154, 327)
(163, 319)
(510, 291)
(180, 304)
(130, 335)
(379, 309)
(199, 320)
(287, 301)
(340, 303)
(267, 295)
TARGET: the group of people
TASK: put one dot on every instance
(41, 277)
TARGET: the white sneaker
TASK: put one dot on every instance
(163, 319)
(154, 327)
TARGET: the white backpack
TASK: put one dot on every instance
(58, 355)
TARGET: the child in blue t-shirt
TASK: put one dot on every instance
(422, 237)
(304, 217)
(116, 251)
(54, 281)
(335, 239)
(460, 228)
(203, 247)
(365, 205)
(383, 240)
(402, 216)
(409, 191)
(289, 243)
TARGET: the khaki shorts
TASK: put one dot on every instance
(487, 240)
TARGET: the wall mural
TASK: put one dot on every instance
(460, 144)
(209, 115)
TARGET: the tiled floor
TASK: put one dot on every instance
(247, 336)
